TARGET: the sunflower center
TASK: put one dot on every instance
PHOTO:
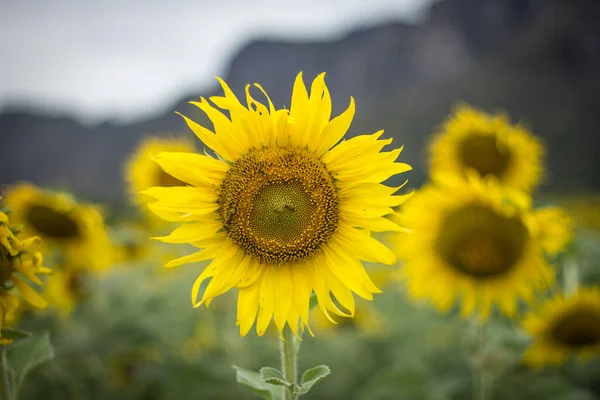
(479, 242)
(279, 204)
(52, 223)
(132, 250)
(485, 155)
(77, 285)
(578, 328)
(165, 180)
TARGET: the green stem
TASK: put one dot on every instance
(481, 376)
(570, 276)
(5, 393)
(289, 359)
(482, 385)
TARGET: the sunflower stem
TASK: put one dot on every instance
(289, 359)
(570, 276)
(481, 377)
(5, 393)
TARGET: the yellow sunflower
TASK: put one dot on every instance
(283, 209)
(141, 172)
(479, 241)
(67, 288)
(130, 366)
(204, 338)
(76, 229)
(19, 265)
(472, 140)
(131, 244)
(585, 209)
(564, 326)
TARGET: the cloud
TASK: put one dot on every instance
(128, 59)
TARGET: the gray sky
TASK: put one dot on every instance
(122, 59)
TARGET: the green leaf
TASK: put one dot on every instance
(26, 355)
(9, 333)
(310, 377)
(274, 376)
(253, 381)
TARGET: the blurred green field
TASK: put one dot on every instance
(137, 337)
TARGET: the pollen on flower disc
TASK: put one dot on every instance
(279, 204)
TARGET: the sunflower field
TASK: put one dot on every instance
(316, 269)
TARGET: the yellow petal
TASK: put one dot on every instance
(267, 302)
(335, 130)
(192, 232)
(191, 258)
(224, 129)
(283, 295)
(247, 307)
(29, 294)
(363, 246)
(209, 138)
(195, 169)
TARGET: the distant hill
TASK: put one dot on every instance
(537, 59)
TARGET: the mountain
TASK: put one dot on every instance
(537, 59)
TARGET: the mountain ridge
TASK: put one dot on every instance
(539, 60)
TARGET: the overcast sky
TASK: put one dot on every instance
(120, 59)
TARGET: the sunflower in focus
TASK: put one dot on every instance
(283, 209)
(19, 265)
(478, 241)
(564, 326)
(490, 145)
(67, 288)
(78, 230)
(141, 172)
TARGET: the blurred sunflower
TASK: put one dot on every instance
(131, 244)
(67, 288)
(282, 210)
(472, 140)
(203, 338)
(585, 209)
(564, 326)
(141, 172)
(130, 366)
(76, 229)
(17, 262)
(479, 241)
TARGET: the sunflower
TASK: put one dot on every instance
(472, 140)
(564, 326)
(67, 288)
(131, 244)
(585, 209)
(130, 366)
(283, 210)
(203, 338)
(19, 263)
(76, 229)
(141, 172)
(479, 241)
